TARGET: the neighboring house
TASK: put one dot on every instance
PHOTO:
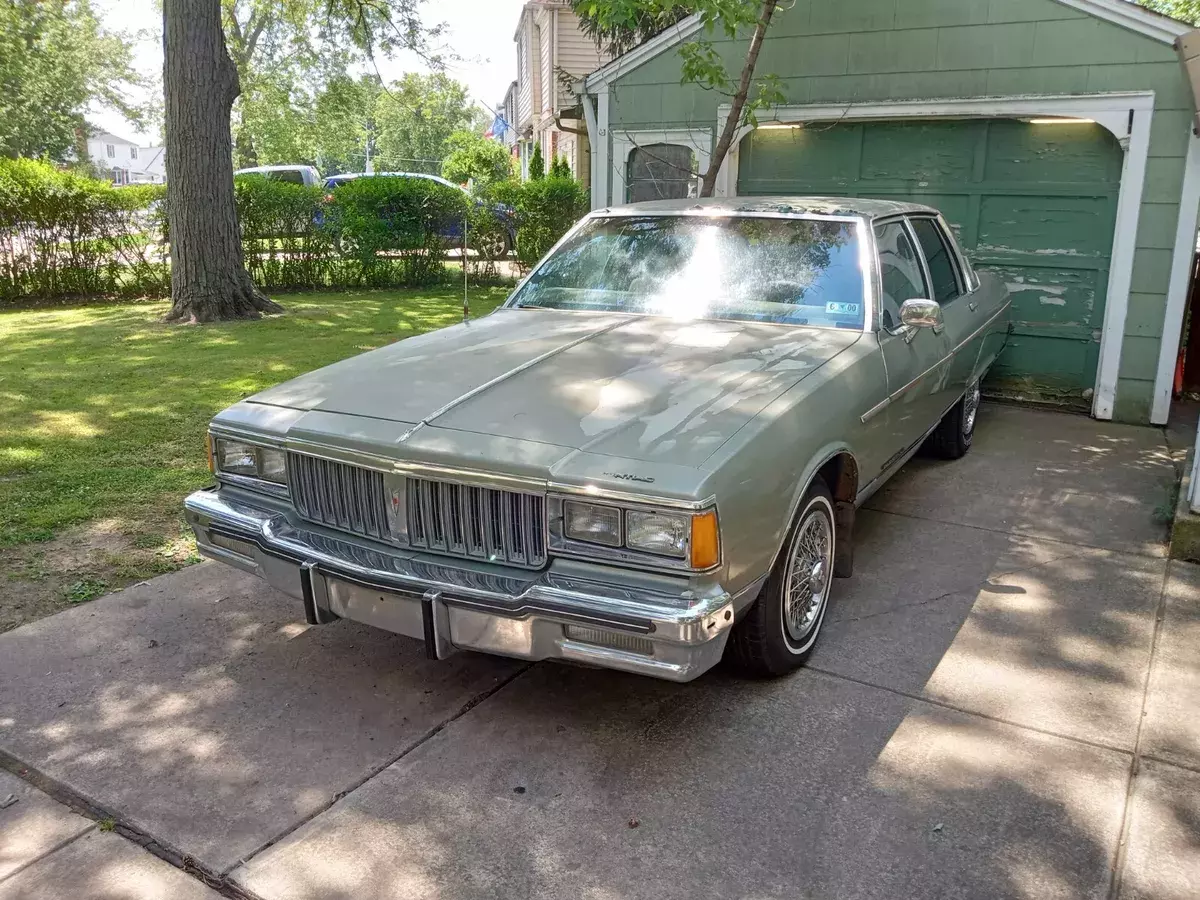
(551, 51)
(1055, 135)
(125, 161)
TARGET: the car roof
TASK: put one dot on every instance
(781, 205)
(349, 176)
(254, 169)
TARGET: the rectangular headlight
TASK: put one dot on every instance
(663, 534)
(272, 465)
(237, 458)
(592, 523)
(234, 457)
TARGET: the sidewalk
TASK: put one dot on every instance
(48, 852)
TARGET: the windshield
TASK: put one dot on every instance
(793, 271)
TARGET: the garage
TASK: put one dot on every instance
(1034, 200)
(1055, 135)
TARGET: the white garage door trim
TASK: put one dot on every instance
(1177, 292)
(1127, 115)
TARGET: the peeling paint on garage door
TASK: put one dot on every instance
(1036, 203)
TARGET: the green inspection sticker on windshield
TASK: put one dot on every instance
(834, 308)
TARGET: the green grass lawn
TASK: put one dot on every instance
(103, 409)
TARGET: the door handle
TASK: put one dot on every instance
(973, 306)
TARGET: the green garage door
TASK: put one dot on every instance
(1034, 202)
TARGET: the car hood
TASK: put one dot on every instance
(614, 385)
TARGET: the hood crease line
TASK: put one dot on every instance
(487, 385)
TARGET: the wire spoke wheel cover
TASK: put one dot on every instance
(808, 576)
(970, 409)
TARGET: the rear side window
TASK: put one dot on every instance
(291, 176)
(899, 270)
(942, 270)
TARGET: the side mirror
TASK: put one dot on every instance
(922, 314)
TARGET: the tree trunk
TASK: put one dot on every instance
(209, 281)
(734, 122)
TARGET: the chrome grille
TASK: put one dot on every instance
(345, 497)
(476, 522)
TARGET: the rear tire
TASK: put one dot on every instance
(780, 631)
(954, 435)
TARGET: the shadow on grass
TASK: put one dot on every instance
(103, 409)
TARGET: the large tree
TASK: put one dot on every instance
(416, 117)
(344, 126)
(56, 60)
(201, 82)
(620, 24)
(209, 281)
(477, 158)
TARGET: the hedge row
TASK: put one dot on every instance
(65, 235)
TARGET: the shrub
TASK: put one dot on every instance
(282, 238)
(546, 209)
(560, 168)
(537, 164)
(412, 220)
(63, 234)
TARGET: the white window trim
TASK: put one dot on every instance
(1114, 111)
(624, 143)
(1177, 291)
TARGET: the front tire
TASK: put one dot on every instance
(954, 435)
(780, 631)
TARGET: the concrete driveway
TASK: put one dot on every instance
(1005, 704)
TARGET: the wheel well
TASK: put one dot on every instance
(841, 477)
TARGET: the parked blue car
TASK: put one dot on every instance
(497, 246)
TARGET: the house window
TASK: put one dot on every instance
(133, 152)
(110, 151)
(660, 172)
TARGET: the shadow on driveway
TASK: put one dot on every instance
(967, 728)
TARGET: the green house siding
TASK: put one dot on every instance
(862, 51)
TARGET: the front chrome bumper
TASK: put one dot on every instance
(592, 614)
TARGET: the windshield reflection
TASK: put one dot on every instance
(790, 271)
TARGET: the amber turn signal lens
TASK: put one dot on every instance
(208, 448)
(706, 548)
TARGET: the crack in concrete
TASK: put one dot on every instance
(1021, 534)
(217, 881)
(901, 607)
(1135, 765)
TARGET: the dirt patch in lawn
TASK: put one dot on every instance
(86, 562)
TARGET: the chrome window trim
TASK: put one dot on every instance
(947, 238)
(903, 220)
(867, 258)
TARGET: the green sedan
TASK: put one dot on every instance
(650, 456)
